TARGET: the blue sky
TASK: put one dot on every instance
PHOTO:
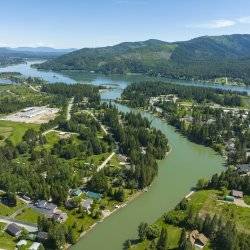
(92, 23)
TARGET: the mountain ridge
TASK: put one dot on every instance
(205, 57)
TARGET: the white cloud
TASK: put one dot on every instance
(214, 24)
(245, 19)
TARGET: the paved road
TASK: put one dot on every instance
(28, 226)
(105, 162)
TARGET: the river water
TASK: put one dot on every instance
(178, 172)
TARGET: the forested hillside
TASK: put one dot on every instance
(204, 58)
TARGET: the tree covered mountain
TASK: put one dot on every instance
(204, 58)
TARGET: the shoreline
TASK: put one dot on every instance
(133, 197)
(123, 205)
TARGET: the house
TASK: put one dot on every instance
(51, 207)
(70, 203)
(21, 243)
(42, 236)
(198, 239)
(76, 192)
(243, 168)
(60, 216)
(94, 195)
(237, 194)
(35, 246)
(14, 230)
(87, 204)
(43, 204)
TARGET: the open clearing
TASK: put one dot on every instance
(37, 115)
(15, 130)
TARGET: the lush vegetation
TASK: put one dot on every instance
(134, 135)
(204, 58)
(225, 224)
(50, 165)
(195, 114)
(139, 93)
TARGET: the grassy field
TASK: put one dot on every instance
(28, 215)
(247, 199)
(6, 210)
(15, 130)
(206, 201)
(6, 241)
(174, 234)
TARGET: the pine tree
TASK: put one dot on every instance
(183, 240)
(163, 240)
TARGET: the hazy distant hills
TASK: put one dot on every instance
(33, 52)
(204, 57)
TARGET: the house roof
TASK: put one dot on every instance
(87, 203)
(42, 235)
(41, 203)
(51, 206)
(21, 243)
(202, 238)
(35, 246)
(60, 216)
(76, 192)
(237, 193)
(14, 229)
(243, 167)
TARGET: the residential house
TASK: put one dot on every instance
(86, 204)
(21, 243)
(237, 194)
(75, 192)
(198, 239)
(60, 216)
(14, 230)
(42, 236)
(43, 204)
(35, 246)
(243, 168)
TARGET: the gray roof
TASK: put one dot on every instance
(42, 236)
(14, 229)
(51, 206)
(41, 203)
(243, 167)
(87, 203)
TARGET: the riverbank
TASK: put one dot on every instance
(117, 209)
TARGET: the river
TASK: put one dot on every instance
(178, 172)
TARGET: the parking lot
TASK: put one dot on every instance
(37, 115)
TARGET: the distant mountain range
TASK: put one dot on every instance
(30, 52)
(204, 58)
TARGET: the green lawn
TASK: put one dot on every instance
(207, 201)
(28, 215)
(247, 199)
(78, 223)
(174, 234)
(6, 210)
(6, 241)
(15, 130)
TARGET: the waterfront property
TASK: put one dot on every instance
(243, 168)
(198, 239)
